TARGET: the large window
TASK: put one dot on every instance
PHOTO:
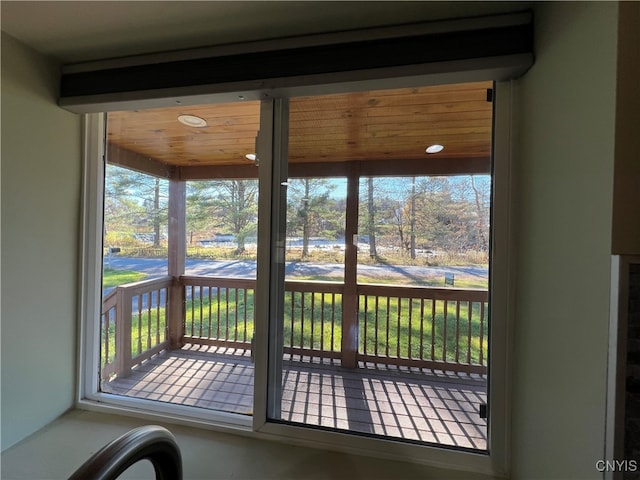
(179, 268)
(306, 267)
(386, 333)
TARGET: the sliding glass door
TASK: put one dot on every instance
(378, 268)
(179, 263)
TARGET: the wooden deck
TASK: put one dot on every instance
(401, 403)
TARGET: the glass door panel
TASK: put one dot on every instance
(180, 236)
(393, 342)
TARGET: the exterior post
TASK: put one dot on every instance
(177, 252)
(350, 296)
(123, 333)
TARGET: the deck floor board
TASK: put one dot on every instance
(404, 403)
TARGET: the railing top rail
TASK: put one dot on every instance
(233, 282)
(435, 293)
(109, 301)
(290, 285)
(146, 285)
(317, 286)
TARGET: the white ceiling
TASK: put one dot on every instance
(78, 31)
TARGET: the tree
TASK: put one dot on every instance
(203, 217)
(223, 206)
(445, 216)
(429, 212)
(227, 206)
(371, 219)
(241, 204)
(304, 216)
(482, 199)
(381, 213)
(309, 210)
(400, 208)
(412, 209)
(136, 199)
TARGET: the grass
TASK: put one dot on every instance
(313, 320)
(426, 281)
(231, 318)
(112, 278)
(226, 313)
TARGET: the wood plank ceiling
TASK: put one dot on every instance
(391, 125)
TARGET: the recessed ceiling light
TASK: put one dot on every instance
(192, 121)
(435, 148)
(251, 156)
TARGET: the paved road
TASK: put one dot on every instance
(247, 269)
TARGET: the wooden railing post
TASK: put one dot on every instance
(129, 322)
(123, 333)
(176, 313)
(177, 239)
(350, 326)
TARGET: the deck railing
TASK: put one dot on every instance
(312, 319)
(220, 311)
(134, 325)
(435, 328)
(425, 327)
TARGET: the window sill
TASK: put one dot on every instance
(459, 463)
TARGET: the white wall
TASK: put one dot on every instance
(564, 157)
(40, 211)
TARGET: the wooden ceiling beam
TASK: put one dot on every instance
(141, 163)
(397, 167)
(217, 172)
(400, 168)
(424, 167)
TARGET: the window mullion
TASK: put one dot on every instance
(272, 158)
(91, 253)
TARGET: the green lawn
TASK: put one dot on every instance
(230, 317)
(112, 278)
(227, 315)
(433, 281)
